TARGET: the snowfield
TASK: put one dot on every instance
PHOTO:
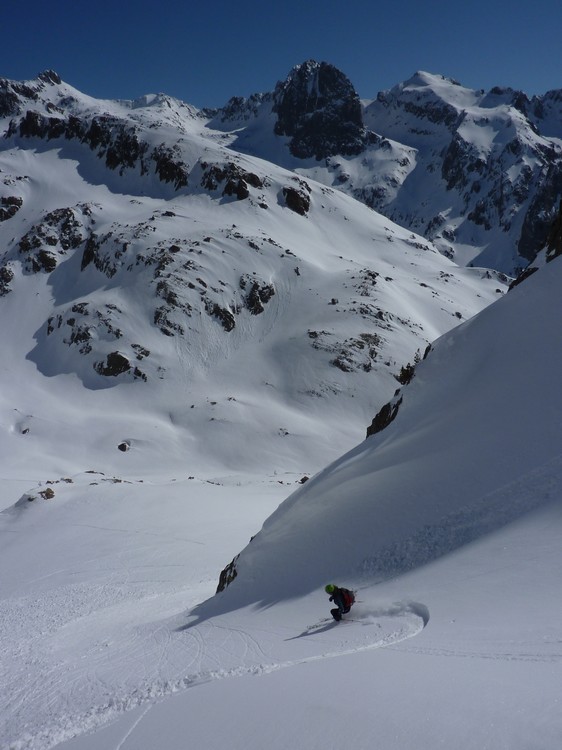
(110, 646)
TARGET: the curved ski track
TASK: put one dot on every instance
(118, 673)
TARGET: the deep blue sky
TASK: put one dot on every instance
(205, 52)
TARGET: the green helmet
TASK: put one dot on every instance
(329, 589)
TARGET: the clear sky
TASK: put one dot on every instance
(207, 51)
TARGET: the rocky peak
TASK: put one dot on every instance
(436, 102)
(507, 96)
(14, 95)
(319, 108)
(241, 109)
(49, 76)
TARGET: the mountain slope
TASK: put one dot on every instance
(193, 303)
(465, 455)
(458, 610)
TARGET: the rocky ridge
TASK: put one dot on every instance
(478, 173)
(487, 166)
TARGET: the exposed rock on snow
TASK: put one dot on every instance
(385, 416)
(297, 200)
(235, 179)
(9, 206)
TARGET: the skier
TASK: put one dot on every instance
(342, 598)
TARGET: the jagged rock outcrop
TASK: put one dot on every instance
(257, 293)
(240, 109)
(385, 416)
(554, 240)
(9, 206)
(227, 575)
(233, 179)
(297, 199)
(320, 110)
(119, 143)
(116, 364)
(59, 232)
(553, 249)
(6, 276)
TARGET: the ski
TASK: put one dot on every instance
(321, 622)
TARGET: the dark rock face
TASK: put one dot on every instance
(169, 166)
(6, 276)
(224, 316)
(107, 262)
(240, 109)
(319, 108)
(115, 364)
(258, 293)
(296, 200)
(529, 271)
(235, 179)
(50, 76)
(385, 416)
(227, 575)
(116, 141)
(9, 206)
(59, 232)
(80, 324)
(554, 240)
(542, 210)
(353, 354)
(11, 93)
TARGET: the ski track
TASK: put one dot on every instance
(547, 658)
(168, 661)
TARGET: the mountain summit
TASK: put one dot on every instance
(320, 110)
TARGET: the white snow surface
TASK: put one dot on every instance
(447, 523)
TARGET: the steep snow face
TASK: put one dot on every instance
(466, 454)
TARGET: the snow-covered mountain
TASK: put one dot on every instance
(211, 299)
(478, 173)
(194, 319)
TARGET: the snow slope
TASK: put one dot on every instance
(455, 636)
(465, 440)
